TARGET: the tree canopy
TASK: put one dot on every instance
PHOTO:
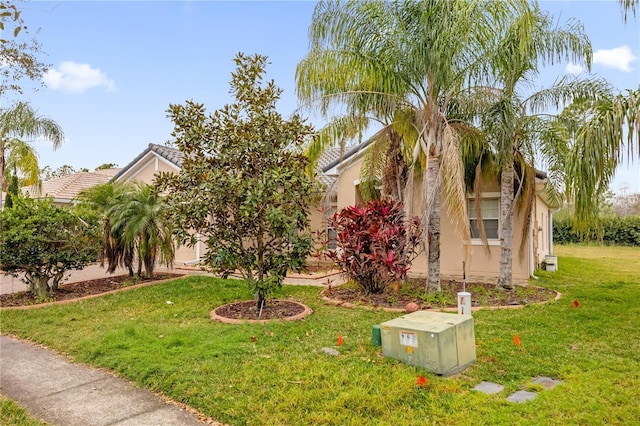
(243, 189)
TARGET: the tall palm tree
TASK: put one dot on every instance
(530, 41)
(21, 122)
(418, 56)
(140, 217)
(608, 132)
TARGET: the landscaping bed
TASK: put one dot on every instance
(413, 291)
(81, 289)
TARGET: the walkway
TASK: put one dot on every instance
(62, 393)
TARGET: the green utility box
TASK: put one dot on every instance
(439, 342)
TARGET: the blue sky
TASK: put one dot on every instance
(116, 66)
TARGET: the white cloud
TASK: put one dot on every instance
(619, 58)
(574, 69)
(76, 78)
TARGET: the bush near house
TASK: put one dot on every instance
(613, 230)
(44, 242)
(375, 244)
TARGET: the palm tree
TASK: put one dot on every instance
(102, 200)
(17, 123)
(418, 56)
(531, 40)
(140, 220)
(609, 131)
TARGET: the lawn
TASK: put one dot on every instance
(277, 374)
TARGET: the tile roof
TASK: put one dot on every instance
(68, 187)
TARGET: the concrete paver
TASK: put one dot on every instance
(63, 393)
(489, 388)
(522, 396)
(547, 382)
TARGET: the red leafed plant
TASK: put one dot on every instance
(375, 244)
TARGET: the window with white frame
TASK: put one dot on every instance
(490, 209)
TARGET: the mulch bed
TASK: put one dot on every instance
(482, 294)
(80, 289)
(248, 310)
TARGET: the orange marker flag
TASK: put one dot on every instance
(576, 303)
(421, 381)
(516, 339)
(340, 340)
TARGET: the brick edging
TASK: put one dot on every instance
(91, 296)
(215, 317)
(336, 302)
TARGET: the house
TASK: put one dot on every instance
(64, 190)
(339, 172)
(484, 262)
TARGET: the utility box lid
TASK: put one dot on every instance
(441, 343)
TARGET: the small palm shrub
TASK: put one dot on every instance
(375, 244)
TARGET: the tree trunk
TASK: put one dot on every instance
(2, 164)
(505, 277)
(433, 227)
(394, 173)
(41, 286)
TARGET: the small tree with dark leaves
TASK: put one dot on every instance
(243, 188)
(44, 242)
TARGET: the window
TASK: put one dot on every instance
(490, 208)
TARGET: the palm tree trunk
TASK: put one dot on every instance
(2, 164)
(394, 174)
(433, 227)
(505, 277)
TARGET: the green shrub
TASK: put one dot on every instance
(612, 230)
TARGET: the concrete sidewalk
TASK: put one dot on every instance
(63, 393)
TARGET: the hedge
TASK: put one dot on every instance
(620, 231)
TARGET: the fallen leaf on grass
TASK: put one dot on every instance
(421, 380)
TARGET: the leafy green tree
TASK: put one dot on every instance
(107, 166)
(243, 187)
(44, 242)
(17, 123)
(13, 191)
(47, 174)
(18, 56)
(420, 57)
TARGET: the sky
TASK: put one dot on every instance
(115, 67)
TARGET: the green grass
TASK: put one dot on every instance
(13, 414)
(283, 378)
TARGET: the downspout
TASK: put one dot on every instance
(531, 269)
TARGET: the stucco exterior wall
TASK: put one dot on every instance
(484, 261)
(147, 168)
(145, 171)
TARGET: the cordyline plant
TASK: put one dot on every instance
(375, 244)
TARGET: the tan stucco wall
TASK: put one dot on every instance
(147, 168)
(145, 171)
(484, 262)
